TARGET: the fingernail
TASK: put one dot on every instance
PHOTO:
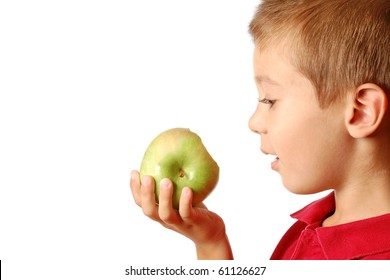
(132, 175)
(186, 191)
(145, 180)
(165, 183)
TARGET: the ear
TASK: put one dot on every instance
(367, 111)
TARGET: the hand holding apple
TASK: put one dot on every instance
(179, 154)
(205, 228)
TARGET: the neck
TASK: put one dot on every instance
(366, 193)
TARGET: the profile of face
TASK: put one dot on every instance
(308, 142)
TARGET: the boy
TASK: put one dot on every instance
(322, 70)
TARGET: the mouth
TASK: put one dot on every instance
(271, 156)
(275, 163)
(274, 159)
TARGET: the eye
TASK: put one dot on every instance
(267, 101)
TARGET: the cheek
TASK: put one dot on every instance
(303, 171)
(290, 137)
(305, 161)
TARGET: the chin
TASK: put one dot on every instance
(302, 188)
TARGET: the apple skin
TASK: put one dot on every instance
(179, 155)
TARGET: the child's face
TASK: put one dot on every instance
(309, 143)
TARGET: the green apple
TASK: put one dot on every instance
(179, 155)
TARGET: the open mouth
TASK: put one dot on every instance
(275, 163)
(273, 159)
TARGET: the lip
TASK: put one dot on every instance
(275, 164)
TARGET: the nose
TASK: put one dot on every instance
(256, 121)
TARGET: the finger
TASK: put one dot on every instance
(185, 204)
(148, 201)
(135, 186)
(166, 212)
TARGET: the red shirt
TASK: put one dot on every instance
(307, 239)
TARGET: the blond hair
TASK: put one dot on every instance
(336, 44)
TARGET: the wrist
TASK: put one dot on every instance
(215, 250)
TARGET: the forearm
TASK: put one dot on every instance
(216, 250)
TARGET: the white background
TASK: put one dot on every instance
(85, 86)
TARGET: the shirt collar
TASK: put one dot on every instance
(352, 240)
(317, 210)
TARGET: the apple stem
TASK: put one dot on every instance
(181, 173)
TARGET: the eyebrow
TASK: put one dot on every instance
(260, 79)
